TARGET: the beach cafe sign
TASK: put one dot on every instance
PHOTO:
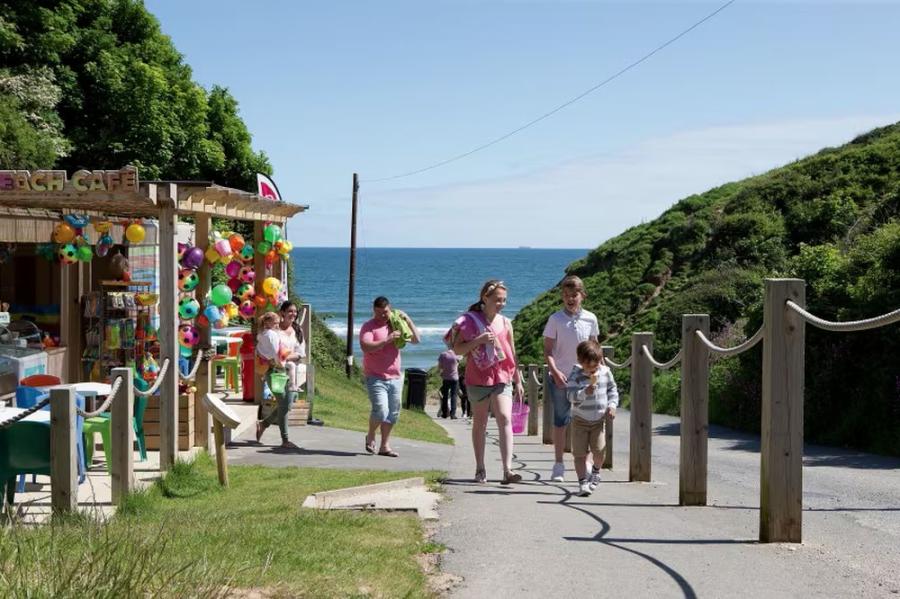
(24, 182)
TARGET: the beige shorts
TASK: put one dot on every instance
(588, 435)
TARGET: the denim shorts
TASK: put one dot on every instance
(384, 395)
(562, 409)
(478, 393)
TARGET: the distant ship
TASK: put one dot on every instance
(524, 247)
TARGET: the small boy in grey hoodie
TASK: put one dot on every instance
(592, 392)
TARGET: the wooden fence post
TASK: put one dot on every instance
(609, 352)
(781, 469)
(63, 451)
(168, 330)
(547, 413)
(692, 470)
(532, 391)
(641, 408)
(206, 375)
(122, 436)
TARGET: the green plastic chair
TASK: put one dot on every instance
(103, 424)
(24, 449)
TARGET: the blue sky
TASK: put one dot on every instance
(381, 88)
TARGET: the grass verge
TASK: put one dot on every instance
(342, 403)
(187, 537)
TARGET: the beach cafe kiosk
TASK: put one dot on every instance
(78, 252)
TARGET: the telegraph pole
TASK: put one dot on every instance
(352, 276)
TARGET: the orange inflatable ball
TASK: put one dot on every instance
(135, 233)
(260, 301)
(236, 241)
(63, 233)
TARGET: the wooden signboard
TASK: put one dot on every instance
(124, 180)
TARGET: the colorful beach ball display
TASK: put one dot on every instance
(245, 292)
(247, 274)
(247, 309)
(188, 279)
(247, 253)
(188, 335)
(188, 308)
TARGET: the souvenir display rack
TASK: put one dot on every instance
(118, 329)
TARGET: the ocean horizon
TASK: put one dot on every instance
(432, 285)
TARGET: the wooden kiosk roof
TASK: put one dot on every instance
(189, 198)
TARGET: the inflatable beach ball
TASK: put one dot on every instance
(188, 307)
(188, 279)
(68, 253)
(188, 335)
(63, 233)
(246, 292)
(247, 274)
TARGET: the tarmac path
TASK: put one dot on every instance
(537, 539)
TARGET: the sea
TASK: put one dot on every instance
(432, 285)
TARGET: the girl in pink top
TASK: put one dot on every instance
(486, 337)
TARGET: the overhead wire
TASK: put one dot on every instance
(560, 107)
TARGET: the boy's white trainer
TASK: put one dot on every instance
(584, 489)
(559, 472)
(593, 480)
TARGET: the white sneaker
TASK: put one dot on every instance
(559, 472)
(593, 480)
(584, 489)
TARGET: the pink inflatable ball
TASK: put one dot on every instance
(247, 309)
(188, 279)
(234, 284)
(233, 269)
(223, 247)
(245, 292)
(247, 253)
(247, 274)
(188, 335)
(193, 258)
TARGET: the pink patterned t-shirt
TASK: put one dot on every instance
(501, 371)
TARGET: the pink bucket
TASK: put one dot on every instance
(520, 411)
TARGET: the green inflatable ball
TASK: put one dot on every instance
(220, 295)
(272, 233)
(263, 247)
(85, 254)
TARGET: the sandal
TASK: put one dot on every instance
(480, 476)
(259, 430)
(510, 478)
(389, 453)
(289, 445)
(370, 445)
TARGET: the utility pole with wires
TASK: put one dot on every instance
(352, 276)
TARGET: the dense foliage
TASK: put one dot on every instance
(95, 84)
(832, 219)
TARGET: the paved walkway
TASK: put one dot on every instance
(632, 539)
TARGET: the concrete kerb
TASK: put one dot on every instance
(407, 494)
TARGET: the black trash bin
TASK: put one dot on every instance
(416, 384)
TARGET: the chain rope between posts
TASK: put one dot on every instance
(109, 399)
(624, 364)
(22, 415)
(661, 365)
(159, 380)
(852, 325)
(193, 373)
(725, 352)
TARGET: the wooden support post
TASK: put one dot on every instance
(609, 352)
(692, 470)
(259, 265)
(63, 452)
(70, 323)
(206, 374)
(781, 469)
(532, 391)
(547, 415)
(122, 436)
(221, 455)
(168, 331)
(641, 408)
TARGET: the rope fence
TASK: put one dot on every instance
(624, 364)
(117, 384)
(725, 352)
(22, 415)
(845, 327)
(661, 365)
(193, 373)
(158, 382)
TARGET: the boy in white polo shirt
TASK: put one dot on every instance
(565, 329)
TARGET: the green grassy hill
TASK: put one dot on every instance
(832, 219)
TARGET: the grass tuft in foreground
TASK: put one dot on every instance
(186, 537)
